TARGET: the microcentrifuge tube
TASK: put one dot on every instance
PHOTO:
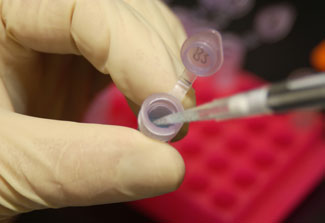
(202, 56)
(274, 22)
(227, 10)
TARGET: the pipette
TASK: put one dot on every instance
(306, 92)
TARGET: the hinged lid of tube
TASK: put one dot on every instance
(202, 53)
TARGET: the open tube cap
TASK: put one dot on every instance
(202, 53)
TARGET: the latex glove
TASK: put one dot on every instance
(50, 163)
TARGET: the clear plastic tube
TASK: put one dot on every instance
(156, 106)
(202, 56)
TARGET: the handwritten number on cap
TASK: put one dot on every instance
(200, 55)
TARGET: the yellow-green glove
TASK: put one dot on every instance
(45, 74)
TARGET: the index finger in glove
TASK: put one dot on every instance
(136, 41)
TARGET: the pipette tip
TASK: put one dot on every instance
(169, 119)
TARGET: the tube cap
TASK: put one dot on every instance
(202, 53)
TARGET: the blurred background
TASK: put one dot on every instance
(273, 40)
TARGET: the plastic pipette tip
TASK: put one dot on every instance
(189, 115)
(168, 120)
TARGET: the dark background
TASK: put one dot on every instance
(272, 62)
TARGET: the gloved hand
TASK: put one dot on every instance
(51, 163)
